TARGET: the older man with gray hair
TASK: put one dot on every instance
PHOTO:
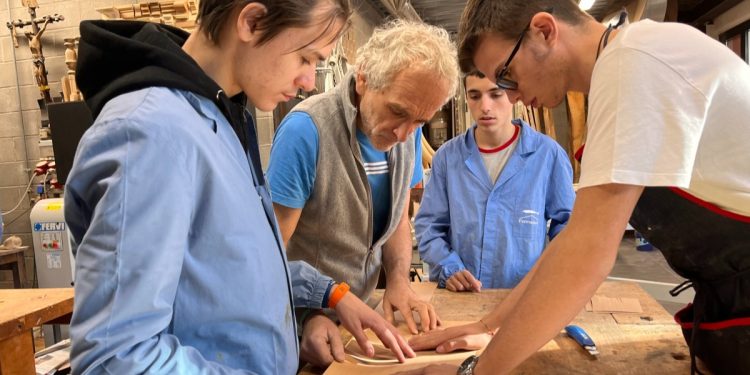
(343, 163)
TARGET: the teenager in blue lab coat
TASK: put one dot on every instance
(180, 268)
(484, 213)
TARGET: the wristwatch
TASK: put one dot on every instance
(467, 366)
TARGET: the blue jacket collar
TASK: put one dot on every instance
(528, 142)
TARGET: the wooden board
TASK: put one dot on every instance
(467, 306)
(353, 365)
(13, 260)
(639, 348)
(17, 355)
(549, 123)
(643, 343)
(577, 120)
(360, 369)
(23, 309)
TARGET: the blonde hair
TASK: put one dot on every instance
(400, 44)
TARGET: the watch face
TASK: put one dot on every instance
(467, 366)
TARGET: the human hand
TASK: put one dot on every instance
(356, 316)
(471, 336)
(402, 298)
(437, 369)
(321, 342)
(463, 281)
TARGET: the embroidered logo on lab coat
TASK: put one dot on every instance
(529, 217)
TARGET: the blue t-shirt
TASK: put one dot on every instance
(294, 155)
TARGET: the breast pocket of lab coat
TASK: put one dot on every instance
(527, 217)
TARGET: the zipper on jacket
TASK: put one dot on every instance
(361, 167)
(370, 234)
(370, 251)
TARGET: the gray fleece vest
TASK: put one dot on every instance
(334, 233)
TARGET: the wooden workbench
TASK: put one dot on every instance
(12, 259)
(630, 343)
(20, 311)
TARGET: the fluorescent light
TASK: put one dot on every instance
(586, 4)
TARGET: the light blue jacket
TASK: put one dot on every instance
(179, 267)
(496, 231)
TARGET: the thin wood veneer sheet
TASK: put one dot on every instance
(614, 305)
(349, 368)
(385, 362)
(383, 356)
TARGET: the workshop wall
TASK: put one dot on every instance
(19, 112)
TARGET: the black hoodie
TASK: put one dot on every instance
(117, 57)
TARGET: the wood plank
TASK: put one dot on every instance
(532, 118)
(23, 309)
(349, 368)
(577, 120)
(13, 260)
(636, 346)
(647, 351)
(653, 312)
(467, 306)
(559, 117)
(17, 355)
(549, 123)
(353, 366)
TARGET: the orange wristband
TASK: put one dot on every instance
(338, 294)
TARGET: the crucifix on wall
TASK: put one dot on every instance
(35, 43)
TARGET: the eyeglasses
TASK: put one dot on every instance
(500, 80)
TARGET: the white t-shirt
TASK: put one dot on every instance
(496, 158)
(669, 106)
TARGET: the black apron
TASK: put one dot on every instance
(710, 248)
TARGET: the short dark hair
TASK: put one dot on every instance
(214, 15)
(506, 18)
(473, 73)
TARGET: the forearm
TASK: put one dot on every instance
(572, 268)
(397, 253)
(561, 284)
